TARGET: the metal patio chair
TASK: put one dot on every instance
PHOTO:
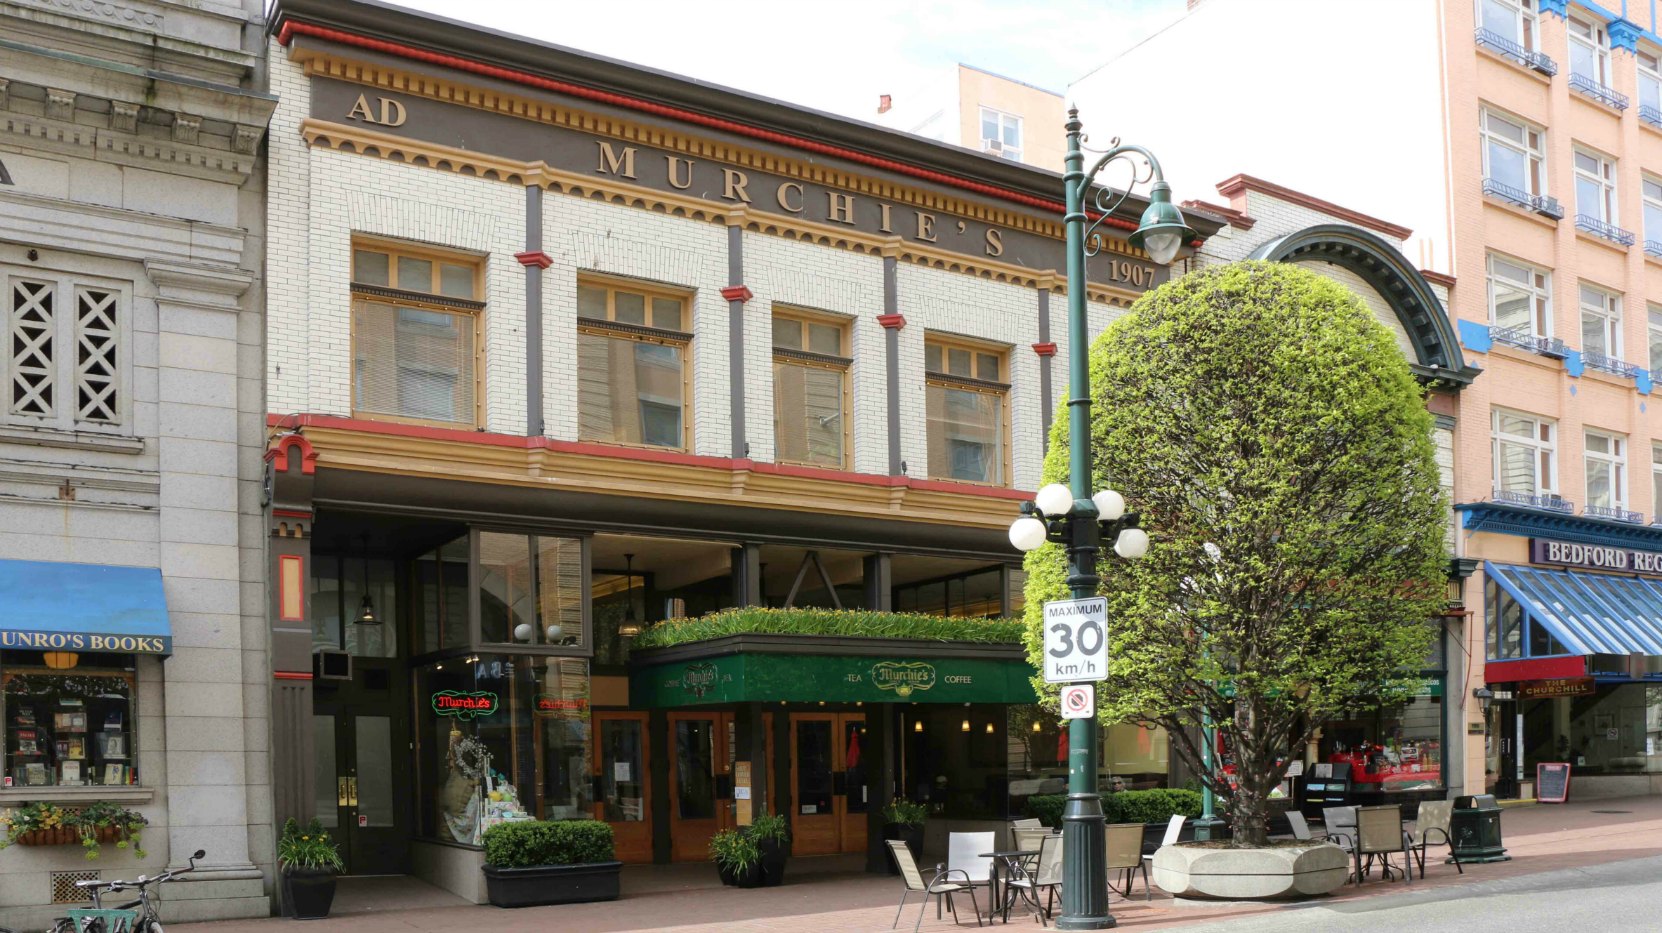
(1340, 829)
(1046, 876)
(1303, 833)
(1378, 835)
(940, 886)
(1028, 840)
(1125, 854)
(1174, 829)
(1431, 829)
(1027, 823)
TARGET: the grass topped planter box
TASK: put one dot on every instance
(536, 863)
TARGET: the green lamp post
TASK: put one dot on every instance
(1082, 523)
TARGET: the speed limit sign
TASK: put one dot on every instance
(1078, 701)
(1076, 640)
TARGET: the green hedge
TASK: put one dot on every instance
(1128, 806)
(841, 623)
(559, 842)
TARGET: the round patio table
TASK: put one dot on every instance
(1010, 861)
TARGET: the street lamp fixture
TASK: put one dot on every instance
(1484, 696)
(1070, 514)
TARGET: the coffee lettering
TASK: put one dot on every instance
(926, 226)
(784, 189)
(839, 207)
(613, 163)
(732, 185)
(674, 174)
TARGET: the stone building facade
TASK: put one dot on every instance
(132, 620)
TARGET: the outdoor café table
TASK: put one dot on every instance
(1009, 861)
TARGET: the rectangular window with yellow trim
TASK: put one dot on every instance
(416, 317)
(967, 401)
(632, 372)
(810, 389)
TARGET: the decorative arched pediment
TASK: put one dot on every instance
(1388, 272)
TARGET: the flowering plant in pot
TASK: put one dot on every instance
(903, 819)
(46, 824)
(772, 837)
(309, 859)
(738, 859)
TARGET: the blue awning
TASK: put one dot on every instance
(83, 607)
(1589, 613)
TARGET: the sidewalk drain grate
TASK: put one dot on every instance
(1612, 811)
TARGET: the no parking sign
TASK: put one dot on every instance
(1078, 701)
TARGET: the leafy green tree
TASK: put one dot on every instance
(1272, 438)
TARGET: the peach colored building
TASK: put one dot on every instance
(987, 112)
(1553, 130)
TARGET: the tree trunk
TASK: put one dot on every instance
(1249, 816)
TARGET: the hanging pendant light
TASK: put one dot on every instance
(631, 625)
(366, 608)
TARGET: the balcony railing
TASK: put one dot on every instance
(1653, 248)
(1519, 336)
(1511, 49)
(1651, 115)
(1548, 501)
(1539, 203)
(1609, 364)
(1614, 514)
(1608, 96)
(1609, 231)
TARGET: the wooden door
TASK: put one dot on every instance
(623, 782)
(830, 808)
(700, 781)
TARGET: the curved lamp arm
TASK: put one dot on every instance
(1106, 199)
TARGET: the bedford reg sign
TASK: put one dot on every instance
(1076, 640)
(1594, 556)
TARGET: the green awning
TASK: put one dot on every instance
(783, 669)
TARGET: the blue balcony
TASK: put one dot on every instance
(1599, 228)
(1651, 115)
(1609, 364)
(1520, 337)
(1608, 96)
(1653, 248)
(1547, 501)
(1510, 49)
(1614, 514)
(1539, 203)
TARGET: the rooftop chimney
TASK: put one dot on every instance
(885, 101)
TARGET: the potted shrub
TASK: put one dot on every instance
(737, 858)
(903, 819)
(308, 860)
(772, 838)
(530, 863)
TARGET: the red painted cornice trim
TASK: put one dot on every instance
(536, 258)
(279, 450)
(1441, 278)
(1045, 349)
(582, 448)
(291, 28)
(291, 513)
(737, 293)
(290, 675)
(1505, 672)
(1235, 190)
(892, 321)
(1235, 218)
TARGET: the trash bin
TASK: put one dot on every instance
(1474, 829)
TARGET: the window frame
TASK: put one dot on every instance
(1596, 41)
(1604, 177)
(611, 328)
(1616, 459)
(842, 363)
(471, 309)
(1535, 156)
(1540, 292)
(475, 582)
(1656, 480)
(1653, 330)
(1649, 202)
(1000, 117)
(1609, 312)
(969, 383)
(1526, 21)
(66, 284)
(1648, 73)
(1538, 446)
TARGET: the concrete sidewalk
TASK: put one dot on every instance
(832, 895)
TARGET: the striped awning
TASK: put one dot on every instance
(1589, 613)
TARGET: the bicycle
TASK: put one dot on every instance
(138, 916)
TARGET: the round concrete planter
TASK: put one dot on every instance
(1250, 874)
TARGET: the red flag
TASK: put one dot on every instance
(853, 757)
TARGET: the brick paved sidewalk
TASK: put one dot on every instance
(827, 895)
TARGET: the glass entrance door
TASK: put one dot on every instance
(362, 792)
(701, 781)
(828, 784)
(623, 782)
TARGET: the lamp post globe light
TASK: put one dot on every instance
(1071, 515)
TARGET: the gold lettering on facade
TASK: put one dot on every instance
(839, 208)
(732, 185)
(614, 163)
(926, 226)
(883, 224)
(391, 113)
(995, 243)
(786, 204)
(674, 174)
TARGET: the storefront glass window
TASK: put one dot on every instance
(439, 593)
(69, 727)
(501, 738)
(1133, 757)
(530, 590)
(976, 594)
(1392, 749)
(339, 583)
(1503, 623)
(1615, 730)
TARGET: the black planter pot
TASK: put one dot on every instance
(910, 833)
(725, 874)
(308, 892)
(774, 852)
(749, 878)
(552, 884)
